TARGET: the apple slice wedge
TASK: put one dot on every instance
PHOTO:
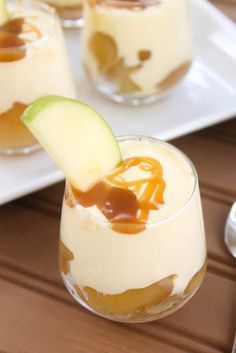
(76, 137)
(4, 15)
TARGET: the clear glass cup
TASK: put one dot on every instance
(33, 63)
(135, 51)
(135, 271)
(70, 12)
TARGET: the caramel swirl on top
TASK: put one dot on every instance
(126, 203)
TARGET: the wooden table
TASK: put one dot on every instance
(37, 315)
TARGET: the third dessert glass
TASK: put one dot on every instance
(135, 260)
(136, 51)
(33, 62)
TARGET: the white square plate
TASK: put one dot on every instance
(206, 96)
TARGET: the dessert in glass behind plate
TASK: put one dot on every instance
(135, 51)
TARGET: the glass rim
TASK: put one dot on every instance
(169, 146)
(44, 7)
(127, 4)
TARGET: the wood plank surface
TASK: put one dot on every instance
(47, 325)
(38, 315)
(227, 6)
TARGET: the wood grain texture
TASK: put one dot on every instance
(226, 6)
(41, 324)
(206, 154)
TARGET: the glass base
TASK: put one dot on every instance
(152, 314)
(20, 150)
(132, 99)
(122, 90)
(72, 23)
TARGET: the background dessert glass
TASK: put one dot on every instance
(127, 272)
(33, 62)
(136, 51)
(70, 12)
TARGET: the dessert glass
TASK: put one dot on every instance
(140, 269)
(70, 12)
(33, 62)
(136, 51)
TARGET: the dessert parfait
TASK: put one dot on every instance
(132, 245)
(135, 51)
(70, 11)
(33, 62)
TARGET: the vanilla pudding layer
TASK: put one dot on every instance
(172, 245)
(153, 43)
(45, 67)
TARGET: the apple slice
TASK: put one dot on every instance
(76, 137)
(4, 15)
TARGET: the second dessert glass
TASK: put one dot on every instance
(136, 51)
(33, 62)
(151, 265)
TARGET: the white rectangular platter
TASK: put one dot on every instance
(206, 96)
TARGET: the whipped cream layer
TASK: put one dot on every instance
(161, 29)
(172, 243)
(45, 67)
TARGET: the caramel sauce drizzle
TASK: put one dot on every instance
(11, 39)
(126, 204)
